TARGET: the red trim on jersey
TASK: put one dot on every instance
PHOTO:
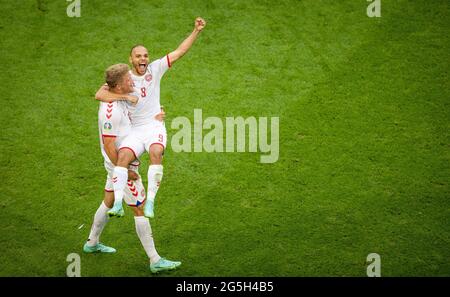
(129, 148)
(157, 143)
(168, 61)
(109, 191)
(107, 136)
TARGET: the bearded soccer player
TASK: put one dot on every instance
(147, 134)
(114, 126)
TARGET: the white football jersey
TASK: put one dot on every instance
(113, 121)
(147, 89)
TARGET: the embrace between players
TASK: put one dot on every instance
(131, 121)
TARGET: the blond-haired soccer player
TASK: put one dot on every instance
(147, 133)
(114, 125)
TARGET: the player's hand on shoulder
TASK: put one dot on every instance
(200, 23)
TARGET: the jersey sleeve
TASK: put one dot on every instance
(160, 66)
(109, 117)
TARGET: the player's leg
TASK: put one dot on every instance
(156, 146)
(154, 175)
(135, 197)
(120, 177)
(144, 232)
(93, 244)
(156, 153)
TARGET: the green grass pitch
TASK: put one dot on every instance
(364, 165)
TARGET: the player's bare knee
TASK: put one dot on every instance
(155, 159)
(156, 152)
(125, 157)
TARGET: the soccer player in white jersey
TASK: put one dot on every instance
(114, 126)
(147, 134)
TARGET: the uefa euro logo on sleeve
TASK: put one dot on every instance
(107, 126)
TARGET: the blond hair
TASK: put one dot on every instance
(115, 73)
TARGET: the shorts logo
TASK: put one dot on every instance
(107, 126)
(148, 77)
(143, 193)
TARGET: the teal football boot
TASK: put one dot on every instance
(117, 210)
(164, 265)
(98, 248)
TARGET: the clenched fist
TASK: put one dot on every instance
(199, 24)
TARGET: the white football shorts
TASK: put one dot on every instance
(142, 137)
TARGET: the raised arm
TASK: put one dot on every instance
(187, 43)
(105, 95)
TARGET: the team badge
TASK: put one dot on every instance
(107, 126)
(148, 77)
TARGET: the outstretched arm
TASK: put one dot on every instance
(105, 95)
(187, 43)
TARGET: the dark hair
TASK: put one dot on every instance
(135, 46)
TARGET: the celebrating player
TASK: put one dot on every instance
(114, 126)
(147, 133)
